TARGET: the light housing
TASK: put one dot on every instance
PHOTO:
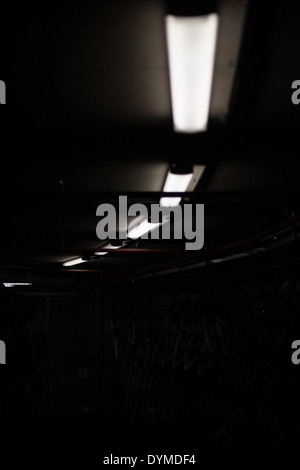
(191, 45)
(14, 284)
(175, 183)
(180, 179)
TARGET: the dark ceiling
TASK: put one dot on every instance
(88, 117)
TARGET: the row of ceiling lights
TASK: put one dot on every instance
(191, 45)
(177, 180)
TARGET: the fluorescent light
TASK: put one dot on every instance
(191, 43)
(230, 257)
(72, 262)
(14, 284)
(141, 229)
(180, 182)
(111, 247)
(175, 183)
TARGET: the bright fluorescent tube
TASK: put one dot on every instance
(141, 229)
(111, 247)
(175, 183)
(72, 262)
(14, 284)
(191, 43)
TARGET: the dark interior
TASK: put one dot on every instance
(158, 348)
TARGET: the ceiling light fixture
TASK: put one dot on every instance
(175, 183)
(180, 179)
(14, 284)
(73, 262)
(141, 229)
(191, 44)
(110, 246)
